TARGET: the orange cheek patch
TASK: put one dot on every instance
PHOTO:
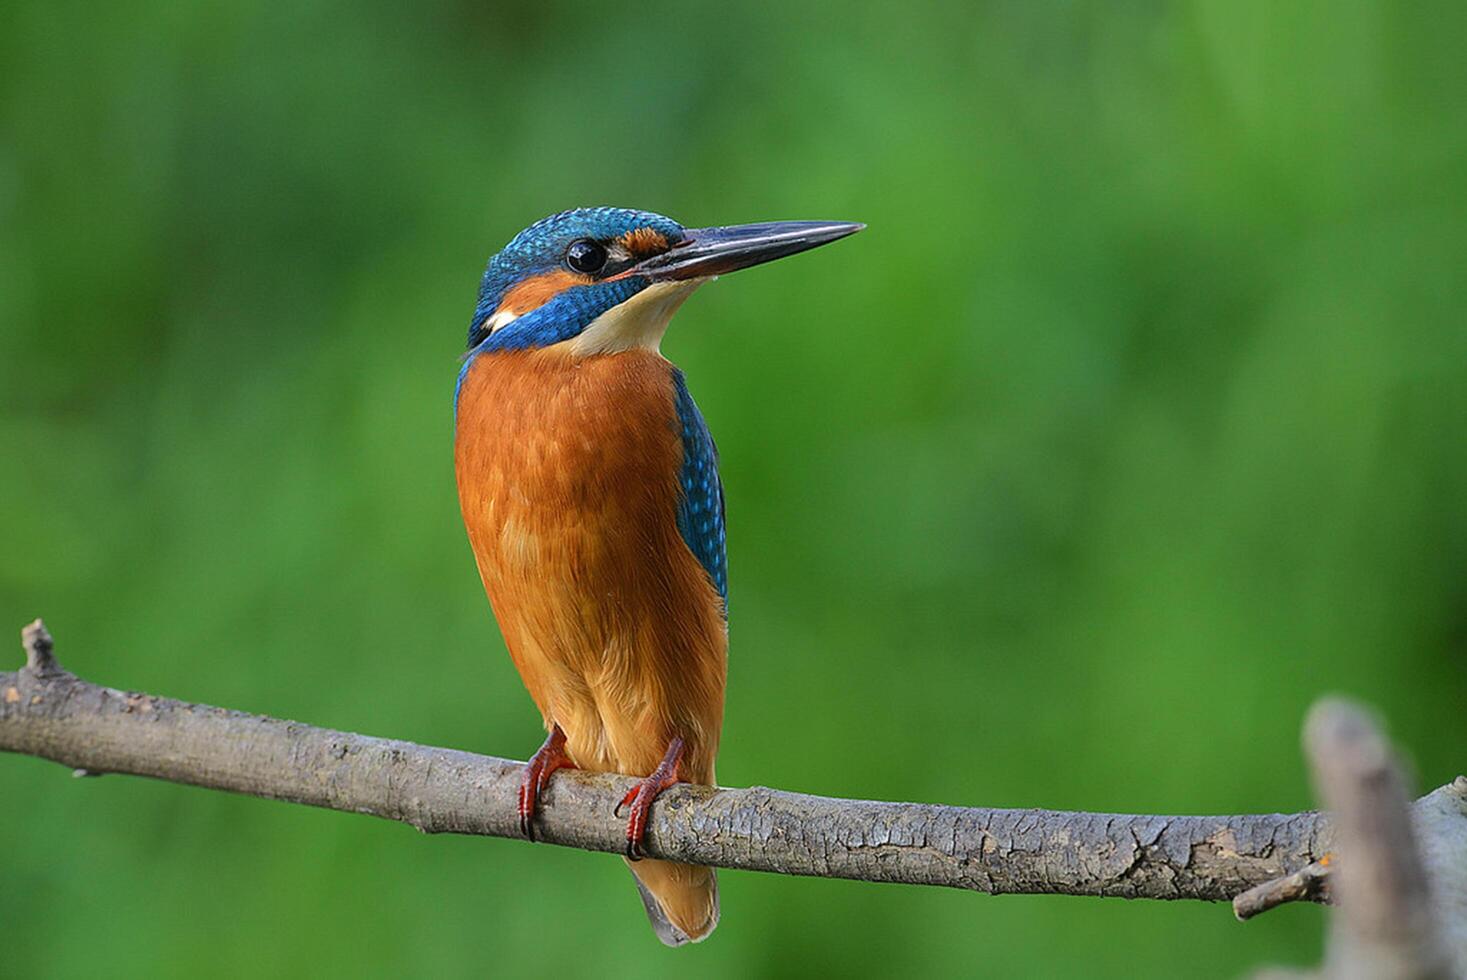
(644, 241)
(536, 291)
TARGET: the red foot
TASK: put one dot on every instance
(538, 771)
(640, 797)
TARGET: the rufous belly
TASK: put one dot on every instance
(568, 478)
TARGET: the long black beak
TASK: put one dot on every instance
(715, 251)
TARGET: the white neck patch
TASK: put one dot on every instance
(500, 320)
(638, 323)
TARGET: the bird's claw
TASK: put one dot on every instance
(640, 798)
(628, 798)
(542, 765)
(527, 823)
(529, 789)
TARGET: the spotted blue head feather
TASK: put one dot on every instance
(542, 248)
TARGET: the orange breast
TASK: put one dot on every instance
(568, 479)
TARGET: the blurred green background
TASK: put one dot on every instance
(1133, 423)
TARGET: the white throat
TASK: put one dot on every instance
(638, 323)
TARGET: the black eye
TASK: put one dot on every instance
(585, 256)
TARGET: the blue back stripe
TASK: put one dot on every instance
(700, 500)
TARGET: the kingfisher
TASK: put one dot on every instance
(590, 492)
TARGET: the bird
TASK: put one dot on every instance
(590, 491)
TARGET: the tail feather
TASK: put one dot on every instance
(681, 899)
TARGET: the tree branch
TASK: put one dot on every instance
(1386, 926)
(1310, 883)
(48, 712)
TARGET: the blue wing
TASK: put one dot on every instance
(700, 503)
